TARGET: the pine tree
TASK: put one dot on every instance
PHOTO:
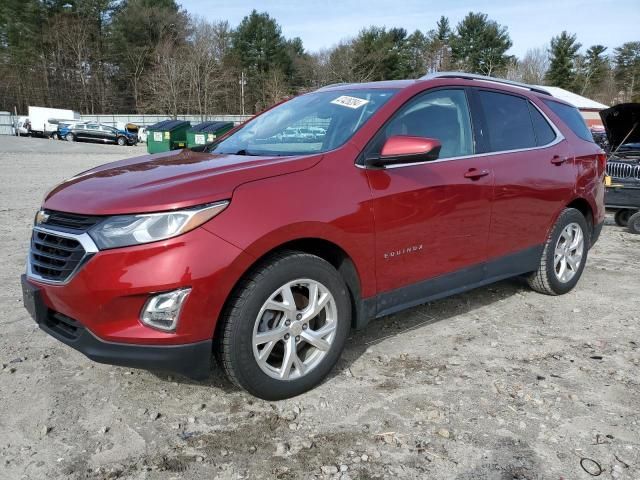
(261, 50)
(594, 66)
(480, 45)
(443, 30)
(627, 70)
(563, 54)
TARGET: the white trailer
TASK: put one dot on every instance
(44, 121)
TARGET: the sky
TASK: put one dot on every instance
(322, 24)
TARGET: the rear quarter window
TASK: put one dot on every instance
(571, 118)
(508, 121)
(544, 133)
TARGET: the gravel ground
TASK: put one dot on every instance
(498, 383)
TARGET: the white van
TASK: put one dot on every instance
(21, 126)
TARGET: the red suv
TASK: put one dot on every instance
(339, 206)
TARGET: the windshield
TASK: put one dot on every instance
(312, 123)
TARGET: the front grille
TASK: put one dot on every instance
(623, 170)
(64, 326)
(71, 221)
(54, 257)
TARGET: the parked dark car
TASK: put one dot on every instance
(622, 123)
(95, 132)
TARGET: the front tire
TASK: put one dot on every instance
(285, 326)
(564, 255)
(70, 137)
(121, 141)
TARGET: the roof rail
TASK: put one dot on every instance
(473, 76)
(334, 85)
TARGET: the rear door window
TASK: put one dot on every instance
(572, 118)
(508, 121)
(544, 133)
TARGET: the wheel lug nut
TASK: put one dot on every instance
(304, 326)
(287, 322)
(298, 316)
(286, 336)
(297, 338)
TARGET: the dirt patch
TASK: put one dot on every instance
(498, 383)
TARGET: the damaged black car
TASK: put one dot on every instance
(622, 124)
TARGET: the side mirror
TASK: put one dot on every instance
(405, 149)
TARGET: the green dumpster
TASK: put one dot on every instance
(167, 135)
(207, 132)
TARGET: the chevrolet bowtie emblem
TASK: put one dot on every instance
(41, 217)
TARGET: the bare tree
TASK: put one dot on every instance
(167, 84)
(531, 68)
(276, 87)
(609, 90)
(137, 59)
(341, 63)
(320, 69)
(72, 56)
(208, 78)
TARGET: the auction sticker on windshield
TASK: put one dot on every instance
(351, 102)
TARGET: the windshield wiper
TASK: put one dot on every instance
(242, 151)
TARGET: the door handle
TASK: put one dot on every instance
(558, 160)
(475, 174)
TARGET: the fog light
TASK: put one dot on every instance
(163, 310)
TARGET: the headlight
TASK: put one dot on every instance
(125, 230)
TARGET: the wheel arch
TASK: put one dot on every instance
(332, 253)
(584, 207)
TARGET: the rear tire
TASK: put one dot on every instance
(273, 302)
(564, 255)
(622, 216)
(634, 223)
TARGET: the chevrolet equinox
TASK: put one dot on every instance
(265, 248)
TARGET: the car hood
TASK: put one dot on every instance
(622, 123)
(167, 181)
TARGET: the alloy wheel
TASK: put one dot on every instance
(568, 252)
(294, 329)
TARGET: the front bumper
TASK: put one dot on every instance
(108, 292)
(192, 360)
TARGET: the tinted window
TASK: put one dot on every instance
(572, 118)
(544, 133)
(443, 115)
(508, 121)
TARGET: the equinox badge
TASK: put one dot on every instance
(397, 253)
